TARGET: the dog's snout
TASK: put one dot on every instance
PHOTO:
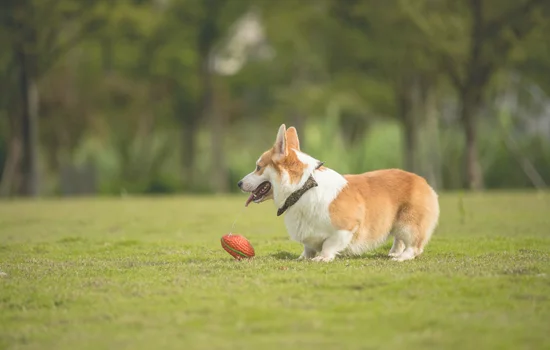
(240, 184)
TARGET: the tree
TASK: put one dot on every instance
(387, 46)
(200, 93)
(472, 40)
(299, 32)
(39, 33)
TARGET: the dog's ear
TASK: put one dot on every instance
(280, 148)
(292, 140)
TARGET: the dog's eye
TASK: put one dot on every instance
(258, 168)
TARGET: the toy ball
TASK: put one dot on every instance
(237, 246)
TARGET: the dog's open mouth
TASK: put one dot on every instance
(259, 193)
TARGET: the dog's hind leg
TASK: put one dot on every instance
(334, 244)
(415, 229)
(405, 241)
(397, 248)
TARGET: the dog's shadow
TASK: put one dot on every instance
(285, 256)
(372, 256)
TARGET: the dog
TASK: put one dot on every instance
(332, 214)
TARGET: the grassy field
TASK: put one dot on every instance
(149, 273)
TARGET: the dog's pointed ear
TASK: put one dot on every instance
(292, 140)
(280, 148)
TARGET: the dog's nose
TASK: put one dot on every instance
(240, 184)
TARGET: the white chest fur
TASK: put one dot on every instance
(308, 220)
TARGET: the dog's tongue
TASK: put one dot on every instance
(250, 199)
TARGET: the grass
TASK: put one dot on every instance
(150, 273)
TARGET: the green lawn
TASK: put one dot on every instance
(150, 273)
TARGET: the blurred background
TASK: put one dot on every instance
(182, 96)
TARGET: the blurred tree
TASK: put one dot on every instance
(473, 40)
(141, 88)
(10, 135)
(172, 57)
(531, 56)
(189, 36)
(299, 32)
(209, 33)
(381, 43)
(38, 33)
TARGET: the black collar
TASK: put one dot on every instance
(296, 195)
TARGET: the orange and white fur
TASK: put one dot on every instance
(344, 214)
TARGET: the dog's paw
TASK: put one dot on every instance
(400, 259)
(322, 258)
(408, 254)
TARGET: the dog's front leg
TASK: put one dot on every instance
(308, 253)
(333, 245)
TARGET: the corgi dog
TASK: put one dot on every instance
(332, 214)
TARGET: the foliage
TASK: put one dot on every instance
(373, 84)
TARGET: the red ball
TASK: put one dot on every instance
(238, 246)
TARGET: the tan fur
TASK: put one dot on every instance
(382, 201)
(289, 162)
(292, 141)
(265, 160)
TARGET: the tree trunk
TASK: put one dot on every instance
(107, 55)
(29, 126)
(188, 113)
(189, 131)
(469, 108)
(431, 145)
(217, 119)
(10, 167)
(209, 109)
(409, 127)
(212, 111)
(11, 99)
